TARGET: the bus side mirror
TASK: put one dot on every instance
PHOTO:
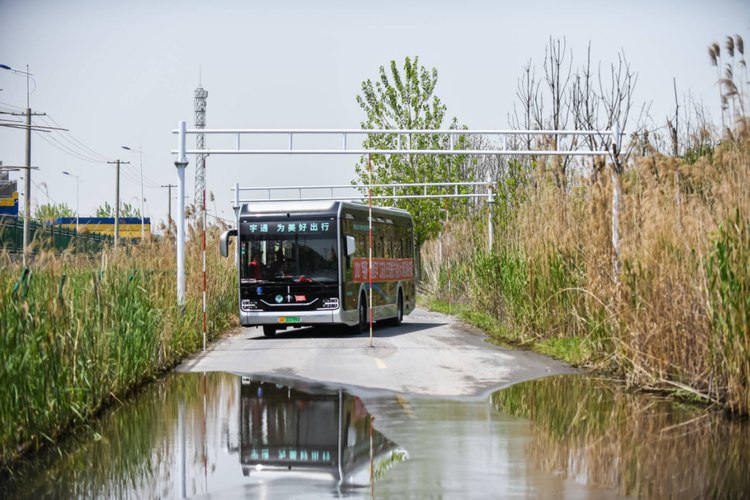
(224, 241)
(351, 246)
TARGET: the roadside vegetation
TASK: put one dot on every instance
(636, 262)
(82, 330)
(593, 431)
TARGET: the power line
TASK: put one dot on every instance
(147, 182)
(10, 106)
(69, 151)
(78, 144)
(81, 154)
(220, 218)
(84, 152)
(153, 183)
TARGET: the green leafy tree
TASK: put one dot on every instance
(52, 211)
(105, 210)
(127, 210)
(407, 101)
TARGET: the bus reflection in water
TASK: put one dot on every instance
(317, 433)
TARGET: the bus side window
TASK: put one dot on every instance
(349, 257)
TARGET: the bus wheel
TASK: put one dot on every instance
(361, 325)
(399, 311)
(269, 330)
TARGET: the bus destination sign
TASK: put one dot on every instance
(296, 227)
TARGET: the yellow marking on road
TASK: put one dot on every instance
(405, 405)
(380, 363)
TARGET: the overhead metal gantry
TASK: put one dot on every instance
(403, 146)
(363, 188)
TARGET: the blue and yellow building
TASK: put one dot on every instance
(9, 206)
(130, 227)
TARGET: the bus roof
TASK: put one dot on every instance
(314, 207)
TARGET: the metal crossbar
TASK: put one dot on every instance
(451, 150)
(364, 188)
(364, 197)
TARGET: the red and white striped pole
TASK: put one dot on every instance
(369, 164)
(204, 253)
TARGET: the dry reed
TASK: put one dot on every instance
(675, 314)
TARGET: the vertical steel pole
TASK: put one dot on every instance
(143, 214)
(237, 224)
(27, 189)
(117, 203)
(204, 255)
(78, 204)
(181, 163)
(490, 202)
(369, 165)
(448, 251)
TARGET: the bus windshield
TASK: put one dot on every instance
(286, 252)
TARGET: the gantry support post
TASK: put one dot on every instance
(181, 163)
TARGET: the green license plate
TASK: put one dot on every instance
(289, 319)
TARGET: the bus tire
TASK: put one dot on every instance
(361, 325)
(269, 330)
(399, 311)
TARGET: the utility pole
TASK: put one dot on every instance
(117, 199)
(27, 186)
(143, 214)
(169, 205)
(27, 189)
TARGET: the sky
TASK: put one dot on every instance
(124, 73)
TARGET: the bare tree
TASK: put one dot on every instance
(605, 104)
(531, 103)
(558, 79)
(547, 106)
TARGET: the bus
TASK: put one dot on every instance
(315, 431)
(306, 263)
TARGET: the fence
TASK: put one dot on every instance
(52, 238)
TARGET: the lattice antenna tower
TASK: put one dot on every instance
(200, 142)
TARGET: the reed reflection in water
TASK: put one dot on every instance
(593, 432)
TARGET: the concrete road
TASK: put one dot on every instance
(429, 354)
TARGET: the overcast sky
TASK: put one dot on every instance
(124, 73)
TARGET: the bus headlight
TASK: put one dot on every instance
(332, 303)
(249, 305)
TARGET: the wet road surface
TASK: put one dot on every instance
(223, 435)
(429, 354)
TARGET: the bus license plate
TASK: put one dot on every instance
(289, 319)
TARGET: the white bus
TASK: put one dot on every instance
(306, 263)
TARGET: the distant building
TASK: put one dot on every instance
(130, 227)
(8, 196)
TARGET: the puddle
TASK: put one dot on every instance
(228, 436)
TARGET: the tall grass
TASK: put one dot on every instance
(83, 330)
(675, 311)
(642, 447)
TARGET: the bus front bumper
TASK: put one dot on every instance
(292, 318)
